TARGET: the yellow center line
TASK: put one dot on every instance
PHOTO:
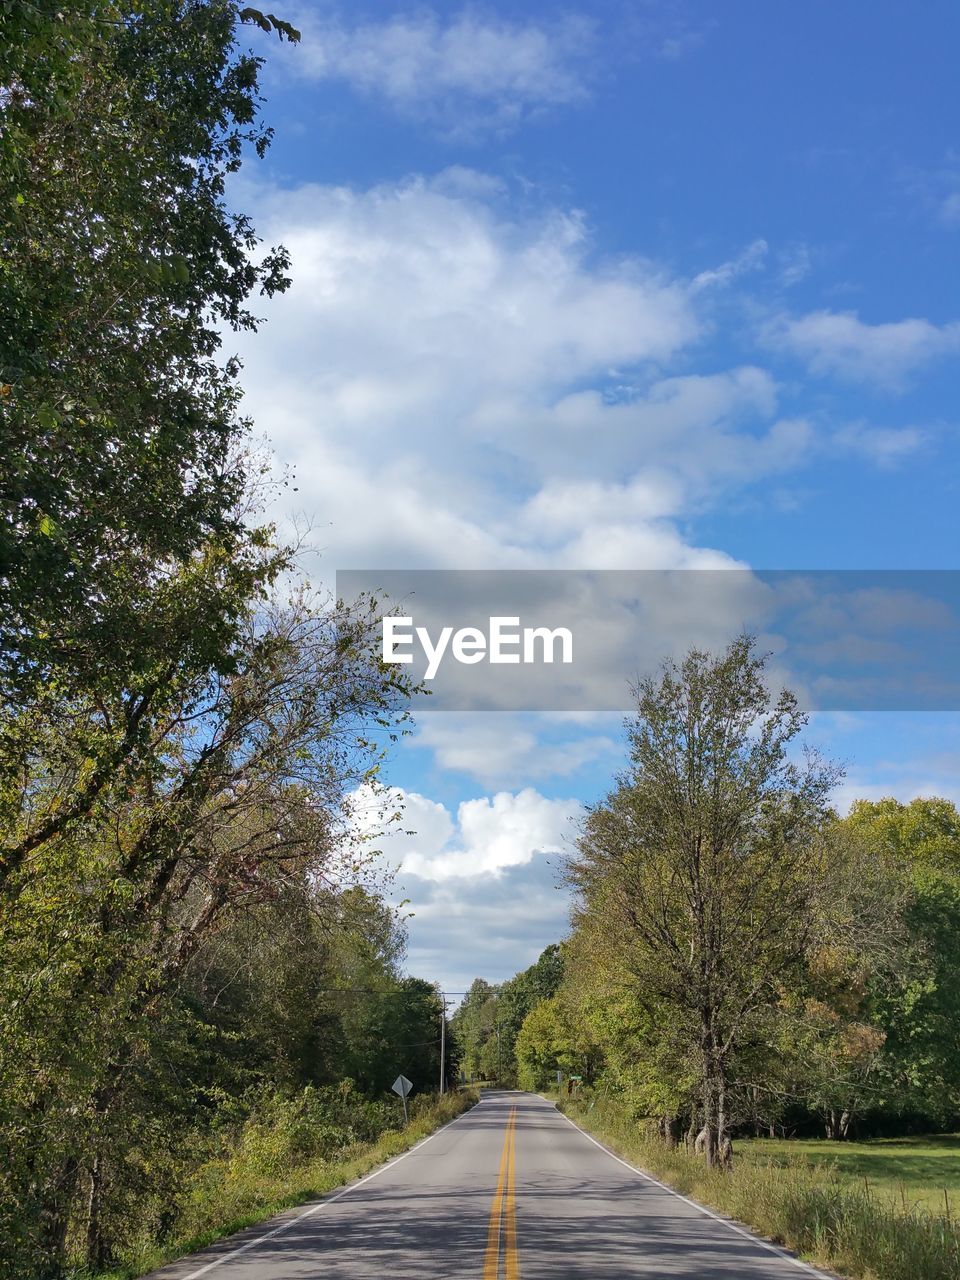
(511, 1261)
(503, 1211)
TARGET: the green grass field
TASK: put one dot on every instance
(910, 1173)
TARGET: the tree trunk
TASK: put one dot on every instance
(55, 1218)
(691, 1135)
(95, 1244)
(711, 1090)
(724, 1145)
(709, 1132)
(668, 1129)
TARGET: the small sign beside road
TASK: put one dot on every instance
(402, 1086)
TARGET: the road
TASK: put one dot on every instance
(510, 1189)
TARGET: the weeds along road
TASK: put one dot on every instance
(509, 1189)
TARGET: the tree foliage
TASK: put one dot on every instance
(122, 264)
(698, 872)
(183, 904)
(741, 957)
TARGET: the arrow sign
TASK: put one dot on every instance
(402, 1086)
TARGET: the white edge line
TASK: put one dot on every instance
(717, 1217)
(322, 1204)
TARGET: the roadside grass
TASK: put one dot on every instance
(228, 1193)
(821, 1213)
(908, 1173)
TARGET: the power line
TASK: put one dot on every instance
(371, 991)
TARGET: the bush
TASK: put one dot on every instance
(287, 1149)
(284, 1131)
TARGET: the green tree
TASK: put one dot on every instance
(554, 1038)
(919, 1016)
(518, 996)
(698, 872)
(474, 1027)
(244, 804)
(126, 555)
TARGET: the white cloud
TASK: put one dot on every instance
(794, 264)
(950, 209)
(481, 887)
(884, 446)
(463, 72)
(499, 749)
(489, 834)
(485, 926)
(840, 343)
(901, 781)
(751, 259)
(460, 386)
(937, 190)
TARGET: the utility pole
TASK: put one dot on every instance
(443, 1043)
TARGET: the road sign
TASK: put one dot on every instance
(402, 1086)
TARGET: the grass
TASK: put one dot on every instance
(908, 1173)
(225, 1195)
(811, 1205)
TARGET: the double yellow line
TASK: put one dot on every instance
(503, 1213)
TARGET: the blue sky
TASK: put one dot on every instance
(609, 286)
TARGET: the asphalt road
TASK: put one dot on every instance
(510, 1189)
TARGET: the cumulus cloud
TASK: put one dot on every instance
(458, 385)
(839, 343)
(489, 833)
(479, 887)
(464, 72)
(484, 926)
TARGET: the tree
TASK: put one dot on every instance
(554, 1038)
(697, 874)
(473, 1026)
(121, 262)
(126, 553)
(918, 1014)
(242, 804)
(518, 996)
(176, 741)
(542, 1047)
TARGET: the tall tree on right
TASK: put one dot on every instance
(697, 876)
